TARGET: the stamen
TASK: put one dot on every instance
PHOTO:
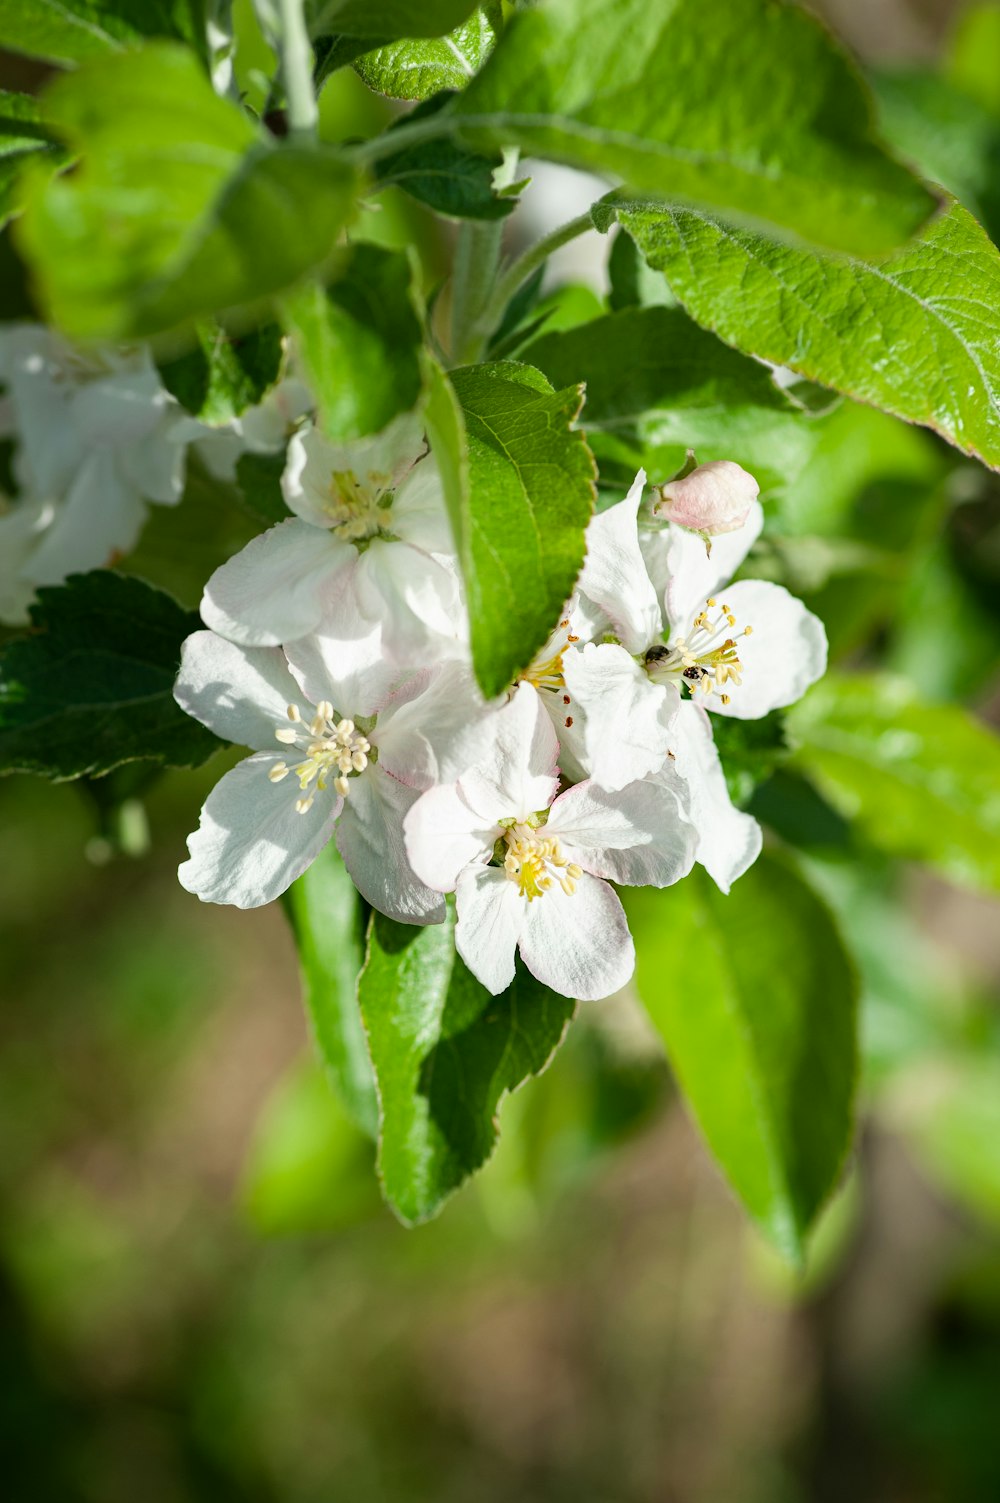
(535, 862)
(330, 747)
(707, 660)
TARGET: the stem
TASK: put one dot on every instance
(477, 257)
(297, 69)
(391, 141)
(520, 270)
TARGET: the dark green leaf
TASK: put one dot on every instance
(360, 340)
(750, 751)
(415, 68)
(71, 31)
(521, 516)
(444, 175)
(920, 780)
(179, 207)
(91, 687)
(23, 134)
(224, 373)
(918, 335)
(699, 103)
(445, 1053)
(329, 922)
(259, 480)
(755, 1000)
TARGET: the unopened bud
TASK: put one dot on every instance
(713, 498)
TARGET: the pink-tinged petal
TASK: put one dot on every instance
(240, 693)
(252, 842)
(435, 727)
(729, 841)
(277, 588)
(784, 654)
(639, 836)
(370, 839)
(714, 498)
(491, 913)
(578, 943)
(614, 573)
(696, 574)
(624, 717)
(519, 774)
(444, 835)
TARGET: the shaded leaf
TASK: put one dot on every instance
(224, 373)
(443, 174)
(259, 479)
(383, 20)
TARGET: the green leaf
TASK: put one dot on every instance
(92, 686)
(444, 175)
(329, 920)
(224, 373)
(23, 135)
(654, 377)
(383, 20)
(699, 103)
(975, 47)
(367, 324)
(921, 780)
(179, 207)
(750, 751)
(72, 31)
(521, 513)
(415, 68)
(445, 1053)
(755, 1000)
(259, 480)
(918, 335)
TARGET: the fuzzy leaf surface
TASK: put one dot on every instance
(417, 67)
(445, 1053)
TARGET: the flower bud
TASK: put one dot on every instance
(713, 498)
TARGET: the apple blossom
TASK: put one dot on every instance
(367, 560)
(264, 428)
(710, 499)
(530, 866)
(349, 773)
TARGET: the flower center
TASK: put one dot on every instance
(534, 861)
(332, 747)
(545, 669)
(706, 660)
(357, 510)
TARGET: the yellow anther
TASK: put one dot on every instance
(278, 771)
(294, 713)
(286, 735)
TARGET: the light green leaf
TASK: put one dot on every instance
(360, 340)
(179, 207)
(918, 335)
(23, 135)
(921, 780)
(383, 20)
(703, 104)
(92, 686)
(445, 1053)
(415, 68)
(224, 373)
(755, 1000)
(328, 920)
(654, 377)
(975, 47)
(520, 511)
(72, 31)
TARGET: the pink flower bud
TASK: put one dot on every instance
(713, 498)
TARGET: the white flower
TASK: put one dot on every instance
(613, 721)
(98, 436)
(713, 498)
(747, 648)
(369, 566)
(729, 841)
(319, 771)
(530, 869)
(262, 429)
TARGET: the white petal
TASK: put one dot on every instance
(343, 659)
(252, 842)
(444, 835)
(276, 588)
(639, 836)
(101, 516)
(491, 913)
(579, 943)
(625, 717)
(729, 841)
(416, 598)
(518, 775)
(785, 653)
(21, 528)
(118, 410)
(370, 839)
(306, 482)
(614, 573)
(436, 728)
(419, 513)
(240, 693)
(695, 575)
(157, 467)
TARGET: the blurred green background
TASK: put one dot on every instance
(201, 1295)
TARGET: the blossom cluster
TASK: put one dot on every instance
(337, 649)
